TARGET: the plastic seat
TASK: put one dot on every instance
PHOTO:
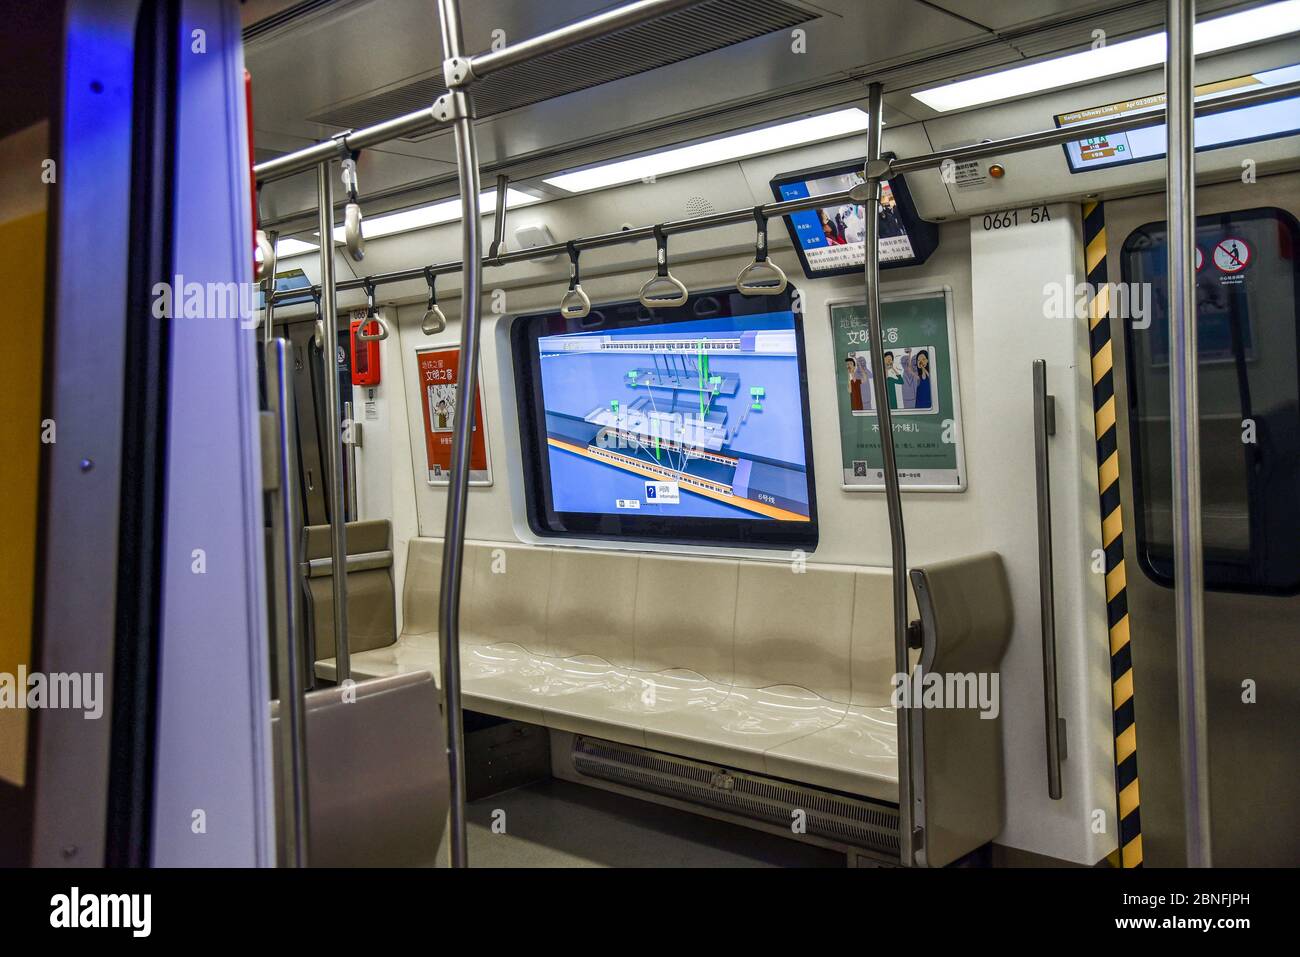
(743, 664)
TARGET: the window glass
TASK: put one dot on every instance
(1248, 288)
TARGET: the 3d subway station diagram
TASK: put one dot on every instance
(696, 424)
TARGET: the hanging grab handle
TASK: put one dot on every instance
(435, 320)
(762, 277)
(663, 289)
(266, 270)
(372, 316)
(318, 326)
(576, 304)
(352, 237)
(266, 267)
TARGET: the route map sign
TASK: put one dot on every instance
(921, 386)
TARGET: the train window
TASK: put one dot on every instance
(1248, 329)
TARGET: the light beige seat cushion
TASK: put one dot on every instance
(742, 663)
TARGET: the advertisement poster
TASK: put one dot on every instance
(439, 372)
(921, 385)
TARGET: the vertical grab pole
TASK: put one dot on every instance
(1184, 426)
(286, 523)
(453, 553)
(329, 350)
(351, 461)
(876, 170)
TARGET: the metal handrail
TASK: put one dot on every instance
(333, 426)
(897, 166)
(1045, 426)
(1184, 423)
(350, 463)
(286, 519)
(425, 118)
(309, 157)
(571, 34)
(1082, 131)
(453, 554)
(875, 171)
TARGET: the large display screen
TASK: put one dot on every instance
(1233, 128)
(830, 240)
(685, 425)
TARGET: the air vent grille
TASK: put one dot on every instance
(833, 816)
(669, 39)
(286, 16)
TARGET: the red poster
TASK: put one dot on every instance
(439, 371)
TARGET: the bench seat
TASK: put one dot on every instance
(752, 665)
(785, 731)
(782, 669)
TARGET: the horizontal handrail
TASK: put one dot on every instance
(1256, 96)
(1001, 147)
(602, 24)
(324, 567)
(299, 161)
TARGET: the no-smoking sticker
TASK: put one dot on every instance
(1231, 255)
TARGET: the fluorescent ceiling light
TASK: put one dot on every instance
(443, 212)
(290, 247)
(1210, 36)
(711, 152)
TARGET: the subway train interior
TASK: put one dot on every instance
(953, 521)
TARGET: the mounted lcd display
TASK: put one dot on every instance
(830, 241)
(1233, 128)
(685, 425)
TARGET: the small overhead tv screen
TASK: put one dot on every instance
(686, 425)
(830, 240)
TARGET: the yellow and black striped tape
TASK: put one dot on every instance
(1112, 537)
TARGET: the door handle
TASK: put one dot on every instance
(1044, 427)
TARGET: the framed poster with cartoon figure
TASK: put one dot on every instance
(439, 372)
(921, 386)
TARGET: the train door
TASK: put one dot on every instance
(1248, 292)
(309, 399)
(149, 518)
(308, 370)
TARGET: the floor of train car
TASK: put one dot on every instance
(554, 823)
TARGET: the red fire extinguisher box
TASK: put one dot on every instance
(365, 353)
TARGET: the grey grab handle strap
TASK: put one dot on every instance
(318, 327)
(762, 277)
(352, 235)
(435, 320)
(663, 289)
(372, 315)
(576, 304)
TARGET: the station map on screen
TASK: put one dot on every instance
(700, 419)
